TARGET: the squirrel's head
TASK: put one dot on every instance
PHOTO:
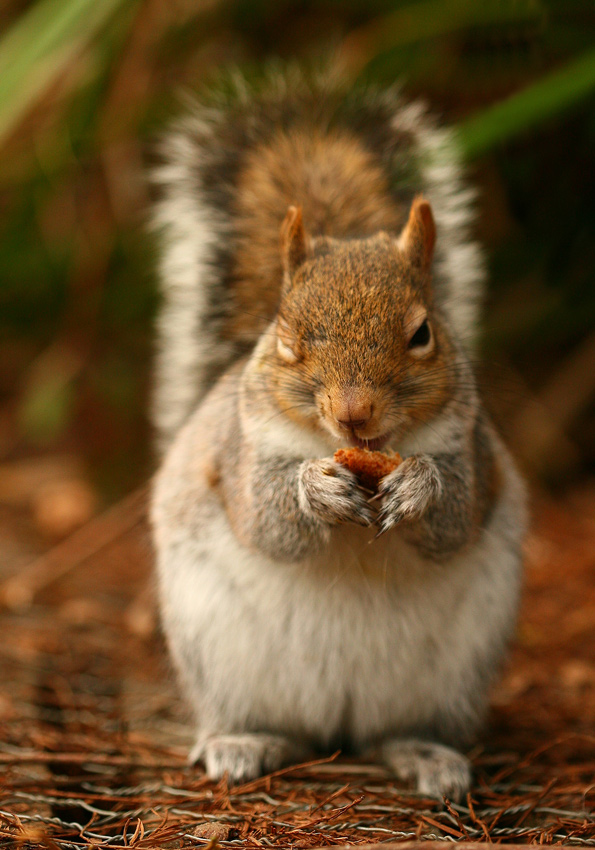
(359, 345)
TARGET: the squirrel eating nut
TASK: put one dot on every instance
(321, 290)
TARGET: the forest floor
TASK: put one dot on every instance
(93, 736)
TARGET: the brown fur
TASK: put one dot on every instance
(322, 245)
(342, 190)
(419, 235)
(354, 296)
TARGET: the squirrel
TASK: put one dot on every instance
(320, 290)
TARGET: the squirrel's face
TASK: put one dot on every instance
(361, 350)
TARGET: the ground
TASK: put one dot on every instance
(93, 735)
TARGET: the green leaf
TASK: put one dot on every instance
(547, 97)
(40, 45)
(427, 19)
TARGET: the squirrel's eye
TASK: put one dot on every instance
(421, 341)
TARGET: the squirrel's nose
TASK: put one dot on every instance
(352, 410)
(350, 424)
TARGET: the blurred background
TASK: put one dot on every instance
(85, 88)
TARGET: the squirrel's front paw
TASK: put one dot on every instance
(332, 493)
(408, 492)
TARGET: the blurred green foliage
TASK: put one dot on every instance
(84, 87)
(47, 36)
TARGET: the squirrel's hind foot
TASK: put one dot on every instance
(434, 770)
(243, 756)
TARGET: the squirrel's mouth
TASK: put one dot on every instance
(374, 444)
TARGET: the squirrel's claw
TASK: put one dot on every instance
(385, 520)
(407, 492)
(364, 515)
(332, 493)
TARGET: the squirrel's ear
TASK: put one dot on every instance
(418, 238)
(294, 242)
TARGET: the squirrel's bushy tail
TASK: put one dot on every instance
(195, 217)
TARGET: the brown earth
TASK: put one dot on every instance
(93, 737)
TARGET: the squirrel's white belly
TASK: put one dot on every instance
(365, 640)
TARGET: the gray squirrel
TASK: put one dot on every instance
(321, 290)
